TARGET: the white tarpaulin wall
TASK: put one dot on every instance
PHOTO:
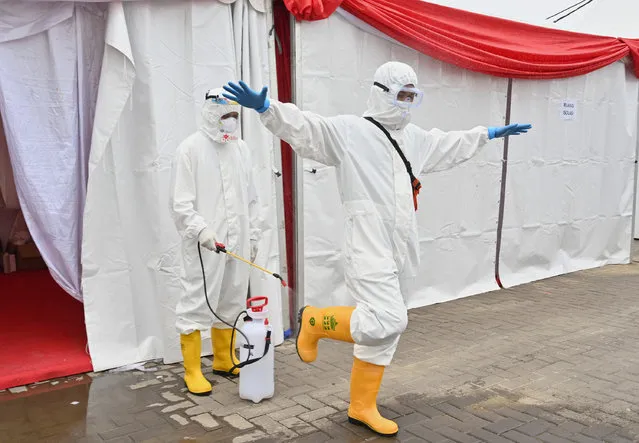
(50, 56)
(613, 18)
(160, 59)
(569, 188)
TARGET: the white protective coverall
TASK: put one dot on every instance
(212, 186)
(381, 244)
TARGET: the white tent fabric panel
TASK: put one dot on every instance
(159, 62)
(459, 208)
(48, 88)
(20, 19)
(510, 10)
(614, 18)
(571, 182)
(259, 5)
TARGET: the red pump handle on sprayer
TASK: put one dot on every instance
(258, 308)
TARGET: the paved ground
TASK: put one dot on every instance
(554, 361)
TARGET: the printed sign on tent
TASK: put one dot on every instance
(568, 110)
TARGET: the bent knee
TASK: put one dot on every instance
(394, 322)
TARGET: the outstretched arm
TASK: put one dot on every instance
(443, 150)
(310, 135)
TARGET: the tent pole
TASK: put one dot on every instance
(277, 161)
(633, 235)
(285, 67)
(297, 297)
(502, 196)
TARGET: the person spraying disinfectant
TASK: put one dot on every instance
(213, 202)
(377, 159)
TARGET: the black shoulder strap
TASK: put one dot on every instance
(409, 169)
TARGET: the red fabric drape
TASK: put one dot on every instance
(281, 20)
(477, 42)
(633, 44)
(310, 10)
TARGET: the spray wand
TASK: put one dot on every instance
(221, 248)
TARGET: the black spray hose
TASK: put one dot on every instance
(232, 326)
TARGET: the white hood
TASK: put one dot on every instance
(381, 105)
(212, 113)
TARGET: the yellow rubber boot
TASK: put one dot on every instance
(222, 360)
(317, 323)
(365, 381)
(191, 345)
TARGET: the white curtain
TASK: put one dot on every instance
(159, 61)
(50, 55)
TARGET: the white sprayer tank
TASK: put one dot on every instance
(257, 380)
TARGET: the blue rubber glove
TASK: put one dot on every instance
(505, 131)
(247, 97)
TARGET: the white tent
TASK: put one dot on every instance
(570, 183)
(142, 68)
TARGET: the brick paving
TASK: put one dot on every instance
(552, 361)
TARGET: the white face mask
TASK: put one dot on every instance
(229, 125)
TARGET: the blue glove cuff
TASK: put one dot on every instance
(492, 131)
(267, 104)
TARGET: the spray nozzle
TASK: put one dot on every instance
(279, 277)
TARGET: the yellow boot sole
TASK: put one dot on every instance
(356, 422)
(199, 394)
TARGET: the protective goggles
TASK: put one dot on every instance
(404, 97)
(219, 99)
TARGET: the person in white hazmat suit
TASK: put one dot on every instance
(379, 198)
(213, 201)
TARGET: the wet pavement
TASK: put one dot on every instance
(553, 361)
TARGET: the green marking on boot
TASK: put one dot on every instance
(312, 321)
(329, 323)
